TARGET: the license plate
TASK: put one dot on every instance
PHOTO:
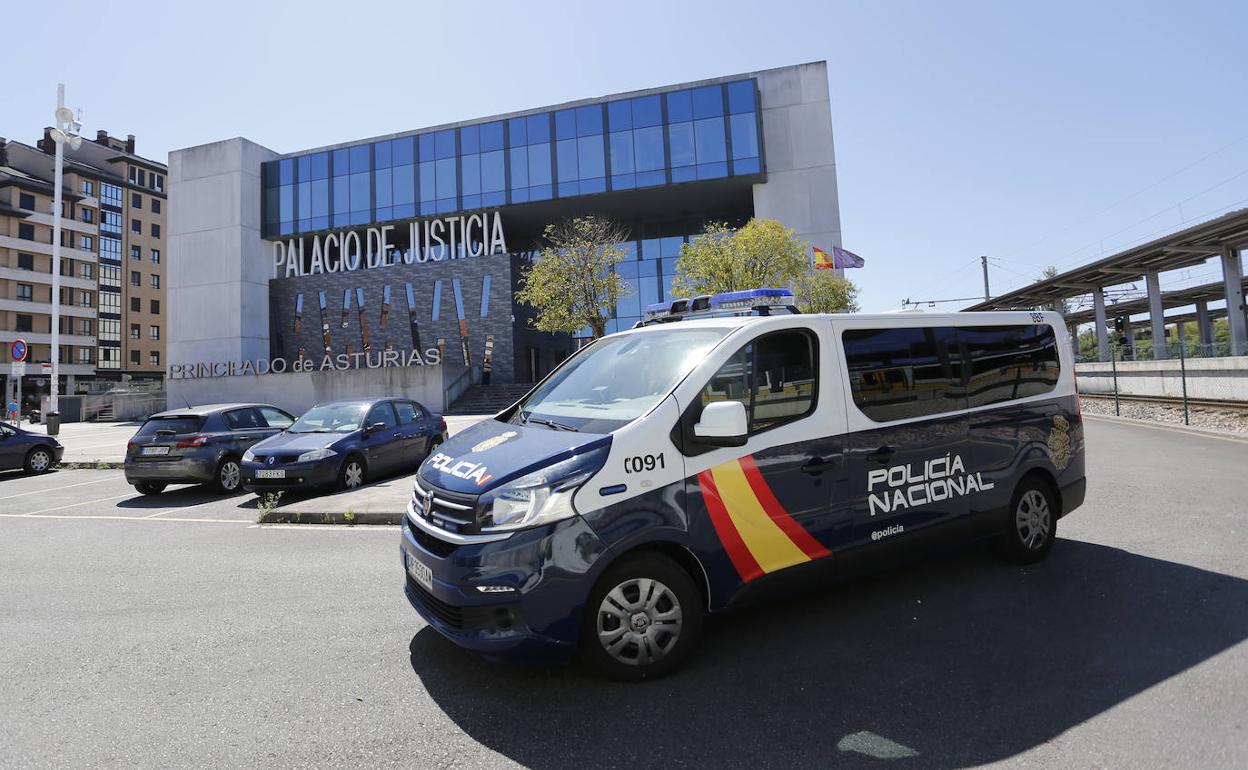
(155, 450)
(267, 473)
(420, 572)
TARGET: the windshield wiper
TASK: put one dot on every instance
(550, 423)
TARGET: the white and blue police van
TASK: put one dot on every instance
(729, 446)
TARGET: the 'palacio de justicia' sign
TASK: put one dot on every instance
(429, 240)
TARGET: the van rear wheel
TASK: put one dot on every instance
(643, 619)
(1032, 526)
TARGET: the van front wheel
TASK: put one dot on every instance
(1032, 526)
(643, 619)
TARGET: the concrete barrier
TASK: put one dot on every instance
(1222, 379)
(297, 391)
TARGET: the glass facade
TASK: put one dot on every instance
(683, 135)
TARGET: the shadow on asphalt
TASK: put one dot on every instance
(958, 661)
(176, 496)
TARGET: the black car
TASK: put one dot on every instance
(33, 452)
(342, 444)
(199, 445)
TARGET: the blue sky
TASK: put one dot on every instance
(1037, 133)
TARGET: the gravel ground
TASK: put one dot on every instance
(1201, 416)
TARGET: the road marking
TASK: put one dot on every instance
(388, 528)
(116, 518)
(84, 502)
(1162, 426)
(67, 486)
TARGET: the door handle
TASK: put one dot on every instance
(882, 455)
(817, 465)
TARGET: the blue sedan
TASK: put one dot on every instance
(342, 444)
(30, 451)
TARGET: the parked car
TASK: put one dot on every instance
(199, 445)
(344, 443)
(30, 451)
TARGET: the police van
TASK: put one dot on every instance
(727, 446)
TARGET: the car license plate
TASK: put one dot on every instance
(155, 450)
(268, 473)
(420, 572)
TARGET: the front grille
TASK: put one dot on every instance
(282, 459)
(430, 543)
(447, 613)
(453, 511)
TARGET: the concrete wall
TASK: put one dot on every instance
(1211, 378)
(297, 391)
(218, 296)
(797, 143)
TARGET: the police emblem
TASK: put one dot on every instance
(494, 441)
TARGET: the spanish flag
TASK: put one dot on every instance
(840, 259)
(757, 532)
(822, 260)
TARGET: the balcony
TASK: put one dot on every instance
(45, 279)
(23, 306)
(45, 338)
(40, 218)
(39, 247)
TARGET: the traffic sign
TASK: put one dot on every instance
(18, 368)
(45, 368)
(18, 350)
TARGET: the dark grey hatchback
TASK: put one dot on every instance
(199, 445)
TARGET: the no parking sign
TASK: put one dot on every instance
(18, 350)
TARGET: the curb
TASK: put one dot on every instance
(368, 518)
(98, 465)
(1228, 435)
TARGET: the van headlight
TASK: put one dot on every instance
(532, 500)
(315, 454)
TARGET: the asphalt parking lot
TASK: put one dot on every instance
(182, 637)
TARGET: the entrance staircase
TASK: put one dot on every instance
(487, 399)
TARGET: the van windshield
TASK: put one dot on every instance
(616, 380)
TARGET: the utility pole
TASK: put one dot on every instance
(984, 262)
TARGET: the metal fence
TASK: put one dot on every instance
(1180, 381)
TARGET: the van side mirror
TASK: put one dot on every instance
(723, 423)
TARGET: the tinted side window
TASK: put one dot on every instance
(897, 374)
(773, 376)
(1009, 362)
(243, 419)
(275, 417)
(407, 412)
(381, 413)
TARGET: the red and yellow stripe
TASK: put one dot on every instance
(757, 532)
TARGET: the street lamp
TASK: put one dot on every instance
(66, 130)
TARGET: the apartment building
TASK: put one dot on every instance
(112, 330)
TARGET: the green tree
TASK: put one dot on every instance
(825, 292)
(572, 283)
(763, 253)
(1060, 305)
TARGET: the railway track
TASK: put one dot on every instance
(1192, 403)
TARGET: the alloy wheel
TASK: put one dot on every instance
(230, 475)
(354, 475)
(1033, 519)
(40, 460)
(639, 621)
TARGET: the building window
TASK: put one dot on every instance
(67, 239)
(153, 332)
(84, 355)
(135, 252)
(134, 358)
(136, 226)
(155, 230)
(26, 261)
(110, 302)
(155, 256)
(110, 275)
(530, 158)
(25, 292)
(110, 223)
(110, 358)
(110, 195)
(158, 182)
(26, 231)
(155, 307)
(155, 205)
(86, 243)
(84, 271)
(110, 330)
(26, 201)
(25, 323)
(136, 201)
(84, 299)
(88, 187)
(135, 304)
(135, 331)
(636, 143)
(84, 327)
(155, 281)
(88, 215)
(136, 278)
(153, 358)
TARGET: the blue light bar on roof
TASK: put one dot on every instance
(751, 298)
